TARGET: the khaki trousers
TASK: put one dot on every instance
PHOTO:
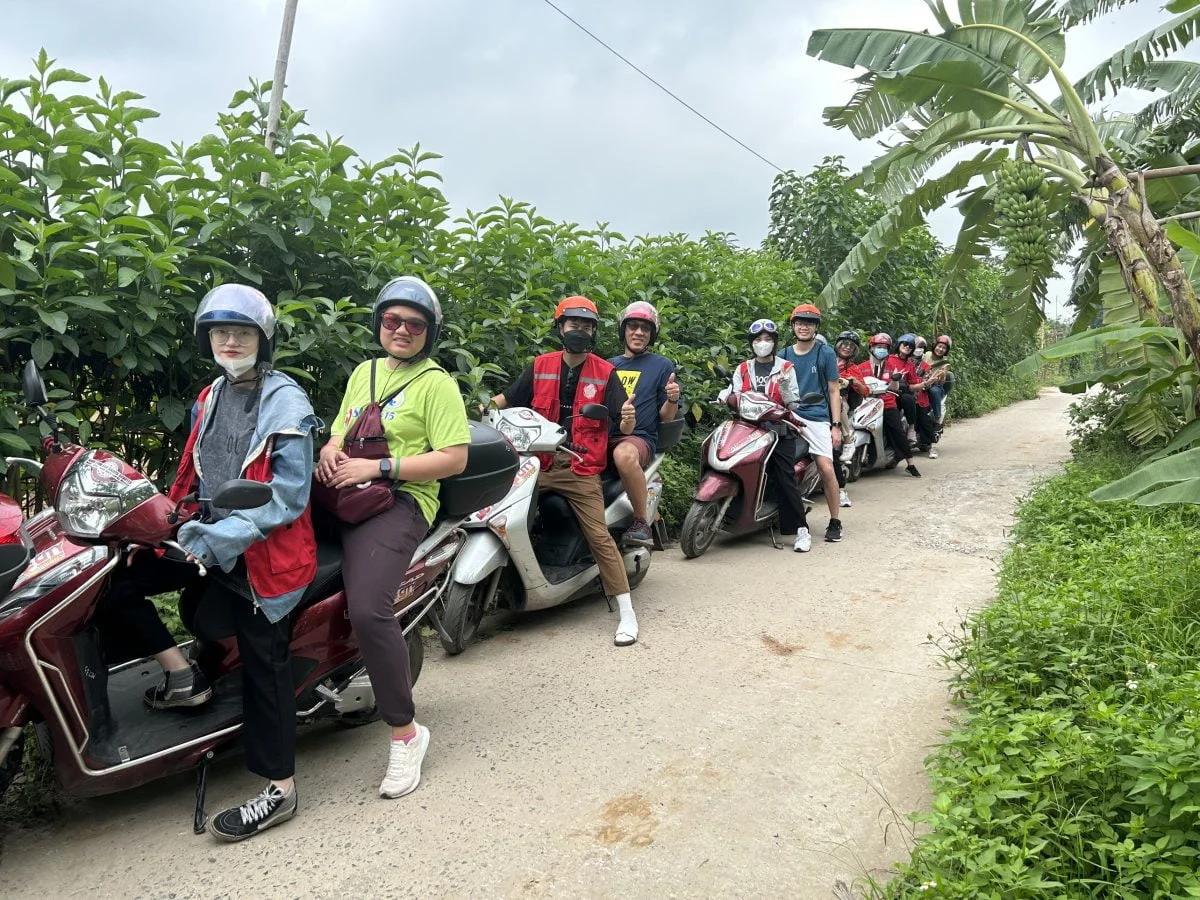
(586, 497)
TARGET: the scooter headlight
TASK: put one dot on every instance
(752, 408)
(97, 491)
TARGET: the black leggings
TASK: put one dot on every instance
(783, 472)
(131, 629)
(894, 434)
(919, 417)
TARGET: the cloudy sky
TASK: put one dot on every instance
(517, 99)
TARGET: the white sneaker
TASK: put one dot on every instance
(404, 765)
(844, 499)
(933, 454)
(803, 541)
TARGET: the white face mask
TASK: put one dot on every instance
(235, 368)
(763, 349)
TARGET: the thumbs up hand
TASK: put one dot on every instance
(628, 414)
(672, 389)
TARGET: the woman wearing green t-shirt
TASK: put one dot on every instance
(427, 434)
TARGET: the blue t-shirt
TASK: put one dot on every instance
(814, 370)
(646, 377)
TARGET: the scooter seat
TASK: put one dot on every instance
(328, 579)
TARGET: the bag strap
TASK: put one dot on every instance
(384, 401)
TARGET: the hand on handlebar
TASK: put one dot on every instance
(178, 553)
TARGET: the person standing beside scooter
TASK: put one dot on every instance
(651, 378)
(257, 423)
(425, 425)
(557, 386)
(896, 374)
(817, 373)
(776, 377)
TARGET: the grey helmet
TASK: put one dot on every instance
(236, 304)
(408, 290)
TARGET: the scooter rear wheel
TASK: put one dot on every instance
(699, 528)
(11, 766)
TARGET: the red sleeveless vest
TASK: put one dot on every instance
(287, 560)
(590, 436)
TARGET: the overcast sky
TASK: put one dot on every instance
(518, 100)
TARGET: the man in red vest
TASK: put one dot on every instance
(557, 386)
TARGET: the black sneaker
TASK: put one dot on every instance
(184, 688)
(638, 534)
(912, 470)
(833, 533)
(269, 808)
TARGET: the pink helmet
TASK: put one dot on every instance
(643, 311)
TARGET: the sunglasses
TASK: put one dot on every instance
(760, 327)
(415, 325)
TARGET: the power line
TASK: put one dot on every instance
(662, 87)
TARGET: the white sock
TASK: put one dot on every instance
(628, 624)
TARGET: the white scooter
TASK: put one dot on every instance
(868, 450)
(528, 553)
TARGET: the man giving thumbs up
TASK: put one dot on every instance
(649, 380)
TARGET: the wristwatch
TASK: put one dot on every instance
(385, 467)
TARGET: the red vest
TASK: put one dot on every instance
(894, 364)
(287, 560)
(855, 372)
(744, 379)
(590, 437)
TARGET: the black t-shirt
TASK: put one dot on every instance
(520, 392)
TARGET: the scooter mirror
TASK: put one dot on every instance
(241, 493)
(721, 371)
(596, 411)
(33, 385)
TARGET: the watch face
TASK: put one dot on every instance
(385, 466)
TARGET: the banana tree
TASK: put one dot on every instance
(994, 80)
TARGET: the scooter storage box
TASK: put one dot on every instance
(492, 463)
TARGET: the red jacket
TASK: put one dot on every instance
(589, 436)
(884, 371)
(287, 560)
(923, 371)
(855, 373)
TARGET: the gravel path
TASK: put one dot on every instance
(764, 738)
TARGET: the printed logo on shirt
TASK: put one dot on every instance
(387, 413)
(629, 380)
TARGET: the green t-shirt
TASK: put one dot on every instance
(427, 415)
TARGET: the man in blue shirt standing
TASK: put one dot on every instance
(817, 373)
(649, 380)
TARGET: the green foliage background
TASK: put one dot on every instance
(108, 240)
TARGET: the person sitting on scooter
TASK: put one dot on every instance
(926, 428)
(910, 394)
(817, 375)
(257, 423)
(557, 386)
(427, 435)
(850, 379)
(776, 377)
(651, 378)
(941, 380)
(897, 373)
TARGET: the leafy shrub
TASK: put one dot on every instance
(1075, 770)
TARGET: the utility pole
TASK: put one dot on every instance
(277, 83)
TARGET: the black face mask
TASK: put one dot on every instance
(576, 341)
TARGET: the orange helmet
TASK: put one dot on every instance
(576, 307)
(806, 312)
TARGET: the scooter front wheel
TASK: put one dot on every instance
(464, 613)
(699, 528)
(855, 466)
(10, 766)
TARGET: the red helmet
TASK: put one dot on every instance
(806, 311)
(944, 339)
(578, 307)
(643, 312)
(881, 338)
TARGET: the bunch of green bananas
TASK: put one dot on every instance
(1022, 213)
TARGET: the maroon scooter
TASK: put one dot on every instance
(55, 569)
(734, 496)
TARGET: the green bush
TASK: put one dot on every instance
(1075, 768)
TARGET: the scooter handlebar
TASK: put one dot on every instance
(176, 552)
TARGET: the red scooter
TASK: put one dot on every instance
(733, 495)
(55, 569)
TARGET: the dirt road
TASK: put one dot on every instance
(764, 738)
